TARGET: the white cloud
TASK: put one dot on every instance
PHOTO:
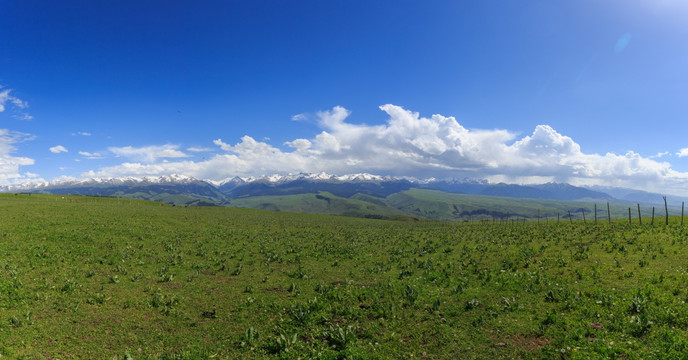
(683, 152)
(301, 145)
(148, 154)
(412, 145)
(198, 149)
(58, 149)
(299, 117)
(22, 116)
(81, 133)
(659, 155)
(7, 98)
(9, 165)
(90, 155)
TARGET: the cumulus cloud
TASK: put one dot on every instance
(412, 145)
(58, 149)
(683, 152)
(148, 154)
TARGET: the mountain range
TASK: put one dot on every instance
(362, 195)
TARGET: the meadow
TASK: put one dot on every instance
(104, 278)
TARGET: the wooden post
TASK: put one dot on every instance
(538, 216)
(570, 218)
(652, 223)
(640, 218)
(609, 214)
(683, 204)
(666, 210)
(595, 214)
(583, 210)
(557, 217)
(629, 216)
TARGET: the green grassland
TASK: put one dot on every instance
(102, 278)
(320, 203)
(440, 205)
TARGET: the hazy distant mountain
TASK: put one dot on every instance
(639, 196)
(175, 189)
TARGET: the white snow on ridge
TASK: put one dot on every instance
(183, 179)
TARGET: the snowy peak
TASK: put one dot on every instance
(102, 182)
(322, 176)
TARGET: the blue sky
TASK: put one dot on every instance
(586, 92)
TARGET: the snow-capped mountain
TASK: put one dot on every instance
(322, 176)
(186, 190)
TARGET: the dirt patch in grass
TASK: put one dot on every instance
(522, 342)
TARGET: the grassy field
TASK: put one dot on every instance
(444, 206)
(101, 278)
(320, 203)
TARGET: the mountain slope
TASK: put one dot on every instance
(319, 203)
(170, 190)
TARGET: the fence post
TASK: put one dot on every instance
(583, 211)
(652, 223)
(640, 218)
(666, 210)
(609, 214)
(683, 204)
(538, 216)
(570, 219)
(595, 214)
(629, 216)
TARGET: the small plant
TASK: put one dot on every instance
(69, 286)
(472, 304)
(97, 298)
(250, 337)
(165, 303)
(410, 295)
(237, 270)
(166, 277)
(282, 344)
(339, 337)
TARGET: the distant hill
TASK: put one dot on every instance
(175, 190)
(639, 196)
(318, 203)
(365, 195)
